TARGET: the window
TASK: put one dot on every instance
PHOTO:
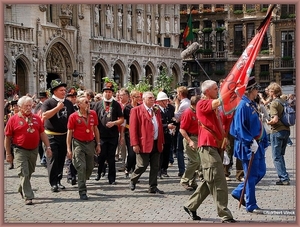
(250, 32)
(238, 38)
(287, 78)
(220, 42)
(207, 24)
(207, 42)
(287, 9)
(207, 6)
(167, 42)
(49, 13)
(250, 6)
(220, 66)
(194, 7)
(265, 43)
(220, 23)
(264, 72)
(237, 7)
(287, 44)
(220, 6)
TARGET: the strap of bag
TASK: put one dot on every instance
(221, 143)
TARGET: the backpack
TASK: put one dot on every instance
(288, 117)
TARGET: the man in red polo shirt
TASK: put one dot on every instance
(24, 130)
(81, 137)
(189, 131)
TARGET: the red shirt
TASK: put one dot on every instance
(189, 121)
(17, 127)
(83, 127)
(208, 117)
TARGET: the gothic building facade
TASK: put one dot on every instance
(82, 43)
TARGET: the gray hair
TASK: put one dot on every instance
(147, 93)
(24, 99)
(207, 84)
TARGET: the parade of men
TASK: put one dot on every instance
(149, 113)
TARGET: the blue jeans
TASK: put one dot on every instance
(179, 153)
(279, 141)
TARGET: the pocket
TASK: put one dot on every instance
(208, 174)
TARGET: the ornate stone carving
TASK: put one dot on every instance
(43, 8)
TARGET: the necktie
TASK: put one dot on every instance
(150, 112)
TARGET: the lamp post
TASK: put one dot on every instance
(117, 78)
(75, 74)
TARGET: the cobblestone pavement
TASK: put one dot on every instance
(118, 204)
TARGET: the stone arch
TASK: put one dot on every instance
(23, 78)
(122, 74)
(100, 70)
(60, 61)
(135, 72)
(175, 72)
(150, 72)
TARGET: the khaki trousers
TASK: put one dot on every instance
(214, 183)
(25, 161)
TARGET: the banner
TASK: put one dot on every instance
(234, 85)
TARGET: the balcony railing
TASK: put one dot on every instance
(284, 63)
(14, 32)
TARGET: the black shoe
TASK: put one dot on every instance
(54, 188)
(180, 174)
(11, 166)
(132, 186)
(44, 164)
(28, 202)
(84, 197)
(238, 199)
(72, 181)
(113, 183)
(192, 214)
(229, 221)
(286, 182)
(60, 186)
(97, 177)
(155, 190)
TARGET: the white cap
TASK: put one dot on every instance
(161, 96)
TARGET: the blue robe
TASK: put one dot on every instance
(245, 127)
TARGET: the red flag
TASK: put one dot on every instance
(234, 85)
(188, 33)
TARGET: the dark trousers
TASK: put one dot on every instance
(71, 171)
(142, 162)
(131, 156)
(164, 156)
(41, 152)
(55, 164)
(108, 150)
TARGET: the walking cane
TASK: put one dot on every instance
(246, 179)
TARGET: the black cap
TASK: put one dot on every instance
(252, 84)
(108, 86)
(56, 84)
(14, 102)
(43, 95)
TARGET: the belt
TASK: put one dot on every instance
(48, 132)
(191, 134)
(84, 141)
(22, 147)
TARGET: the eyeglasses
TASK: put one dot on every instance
(136, 97)
(86, 102)
(151, 97)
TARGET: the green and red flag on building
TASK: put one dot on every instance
(188, 33)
